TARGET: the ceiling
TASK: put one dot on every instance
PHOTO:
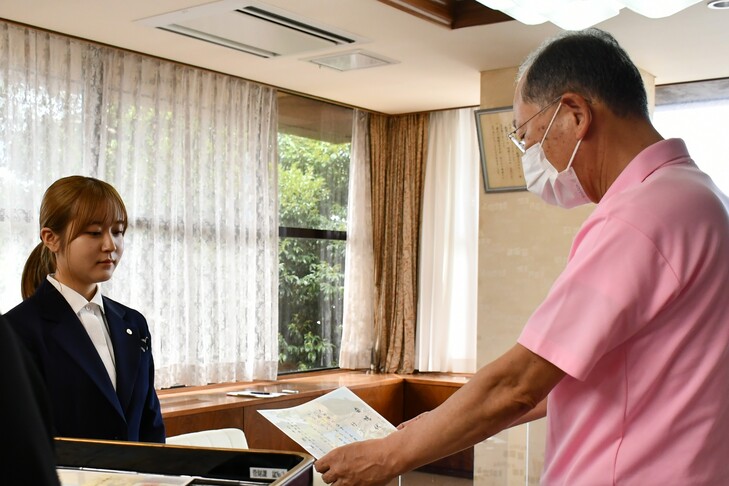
(436, 67)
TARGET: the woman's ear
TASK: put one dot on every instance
(51, 240)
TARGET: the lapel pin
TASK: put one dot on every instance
(129, 331)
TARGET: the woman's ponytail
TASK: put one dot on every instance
(40, 263)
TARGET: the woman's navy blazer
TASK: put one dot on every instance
(85, 404)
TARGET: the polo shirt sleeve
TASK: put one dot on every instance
(615, 282)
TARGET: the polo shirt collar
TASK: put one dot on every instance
(650, 159)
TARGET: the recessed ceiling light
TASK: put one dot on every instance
(350, 60)
(718, 4)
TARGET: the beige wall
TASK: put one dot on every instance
(523, 246)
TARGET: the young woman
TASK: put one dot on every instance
(94, 353)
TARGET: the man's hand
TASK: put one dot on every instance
(362, 463)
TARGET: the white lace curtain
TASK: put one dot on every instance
(359, 281)
(448, 267)
(193, 155)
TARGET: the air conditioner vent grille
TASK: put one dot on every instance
(213, 39)
(296, 25)
(253, 27)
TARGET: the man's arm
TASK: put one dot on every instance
(494, 399)
(538, 412)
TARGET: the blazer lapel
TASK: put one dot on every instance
(69, 333)
(125, 335)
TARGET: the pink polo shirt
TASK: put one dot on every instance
(639, 321)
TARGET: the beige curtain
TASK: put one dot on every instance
(398, 145)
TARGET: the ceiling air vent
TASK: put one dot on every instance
(251, 27)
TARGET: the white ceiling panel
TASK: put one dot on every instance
(436, 67)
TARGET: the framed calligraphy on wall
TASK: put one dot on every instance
(500, 159)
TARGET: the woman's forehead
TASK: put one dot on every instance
(106, 214)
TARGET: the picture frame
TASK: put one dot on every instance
(500, 159)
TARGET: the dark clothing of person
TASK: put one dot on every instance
(28, 456)
(84, 401)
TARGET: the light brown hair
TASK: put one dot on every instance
(69, 205)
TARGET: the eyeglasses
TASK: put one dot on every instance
(519, 142)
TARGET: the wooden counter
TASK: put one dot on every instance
(395, 397)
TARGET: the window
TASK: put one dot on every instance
(314, 146)
(699, 114)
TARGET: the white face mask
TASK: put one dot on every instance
(559, 188)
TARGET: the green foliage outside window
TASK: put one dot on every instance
(313, 178)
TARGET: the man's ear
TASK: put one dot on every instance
(579, 109)
(51, 240)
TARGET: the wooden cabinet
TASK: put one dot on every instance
(422, 395)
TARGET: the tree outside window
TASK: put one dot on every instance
(313, 185)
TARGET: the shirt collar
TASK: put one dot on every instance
(74, 299)
(653, 157)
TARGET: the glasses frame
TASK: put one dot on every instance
(519, 142)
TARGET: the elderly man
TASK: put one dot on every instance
(628, 355)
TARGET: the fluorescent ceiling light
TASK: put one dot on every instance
(350, 60)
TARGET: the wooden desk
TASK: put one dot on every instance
(395, 397)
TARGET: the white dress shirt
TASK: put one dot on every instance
(92, 317)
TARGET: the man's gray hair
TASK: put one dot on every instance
(589, 62)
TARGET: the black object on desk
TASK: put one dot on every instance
(209, 466)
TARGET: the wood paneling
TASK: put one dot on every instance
(425, 395)
(387, 399)
(453, 14)
(216, 419)
(469, 13)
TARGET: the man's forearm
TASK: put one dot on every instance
(494, 399)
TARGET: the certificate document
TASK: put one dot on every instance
(340, 417)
